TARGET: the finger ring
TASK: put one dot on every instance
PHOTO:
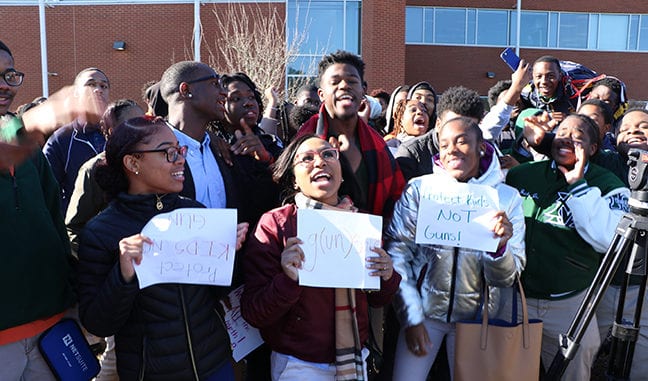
(416, 348)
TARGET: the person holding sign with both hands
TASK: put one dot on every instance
(315, 333)
(443, 283)
(167, 331)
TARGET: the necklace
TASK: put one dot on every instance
(159, 205)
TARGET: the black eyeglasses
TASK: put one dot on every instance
(172, 153)
(12, 77)
(205, 78)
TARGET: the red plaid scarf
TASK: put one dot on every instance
(386, 181)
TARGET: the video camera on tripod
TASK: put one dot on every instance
(629, 247)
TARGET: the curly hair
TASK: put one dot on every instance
(340, 57)
(462, 101)
(300, 114)
(497, 89)
(110, 174)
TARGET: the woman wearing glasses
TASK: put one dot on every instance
(165, 331)
(307, 326)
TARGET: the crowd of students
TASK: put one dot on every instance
(556, 162)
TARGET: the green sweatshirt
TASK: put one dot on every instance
(36, 275)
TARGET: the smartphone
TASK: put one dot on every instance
(511, 59)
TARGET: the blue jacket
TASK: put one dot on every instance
(67, 149)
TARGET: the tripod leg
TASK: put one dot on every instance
(625, 333)
(570, 341)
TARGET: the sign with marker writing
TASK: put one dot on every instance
(243, 337)
(191, 245)
(458, 215)
(336, 245)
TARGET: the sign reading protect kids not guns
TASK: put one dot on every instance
(192, 245)
(336, 245)
(458, 215)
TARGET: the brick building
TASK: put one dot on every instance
(446, 42)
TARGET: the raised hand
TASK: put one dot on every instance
(578, 172)
(248, 143)
(535, 128)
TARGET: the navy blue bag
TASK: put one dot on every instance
(68, 353)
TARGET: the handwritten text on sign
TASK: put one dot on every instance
(191, 245)
(336, 245)
(458, 215)
(243, 337)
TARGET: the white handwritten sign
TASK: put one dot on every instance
(191, 245)
(243, 337)
(458, 215)
(336, 245)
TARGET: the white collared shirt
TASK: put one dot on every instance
(207, 178)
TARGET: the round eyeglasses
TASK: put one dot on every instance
(307, 158)
(12, 77)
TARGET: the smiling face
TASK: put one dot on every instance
(155, 174)
(459, 150)
(341, 91)
(546, 76)
(415, 120)
(633, 132)
(318, 174)
(7, 93)
(241, 104)
(572, 132)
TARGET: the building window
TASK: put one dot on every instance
(572, 30)
(318, 27)
(613, 32)
(539, 29)
(415, 24)
(450, 26)
(492, 27)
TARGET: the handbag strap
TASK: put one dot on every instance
(525, 315)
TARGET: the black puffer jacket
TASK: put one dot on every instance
(163, 332)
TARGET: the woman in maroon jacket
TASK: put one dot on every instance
(313, 332)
